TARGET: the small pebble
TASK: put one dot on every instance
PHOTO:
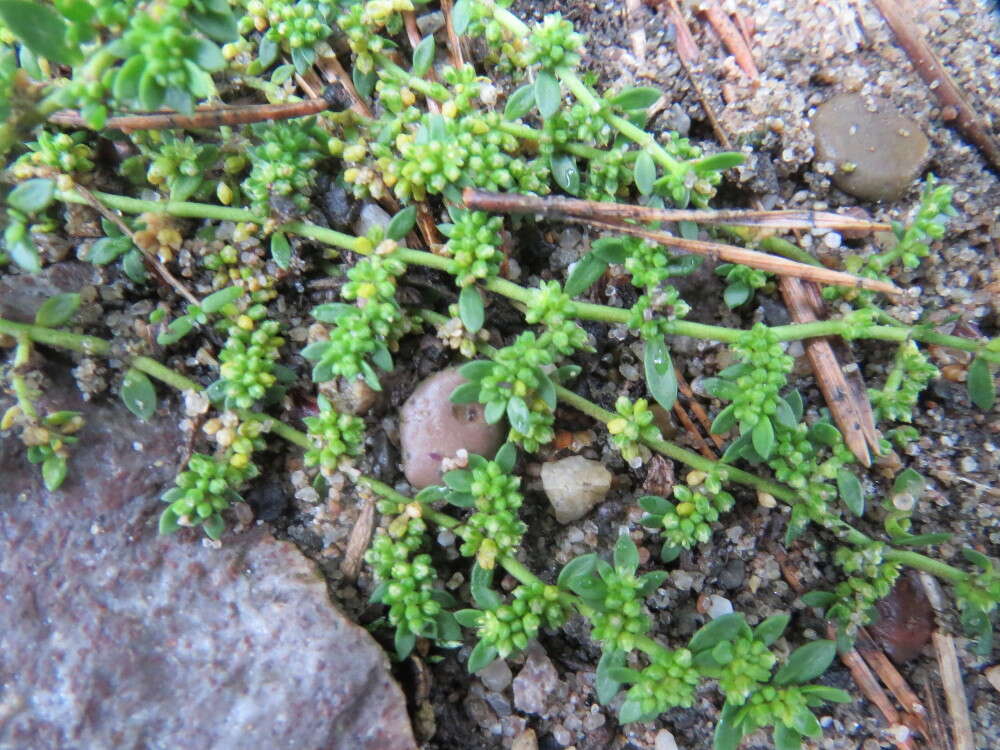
(535, 683)
(527, 740)
(718, 606)
(574, 485)
(665, 740)
(432, 429)
(496, 676)
(877, 154)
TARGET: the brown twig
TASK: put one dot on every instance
(954, 690)
(334, 72)
(692, 430)
(731, 254)
(731, 37)
(202, 117)
(454, 40)
(697, 408)
(161, 270)
(938, 739)
(940, 82)
(687, 47)
(893, 680)
(869, 686)
(555, 206)
(357, 543)
(839, 395)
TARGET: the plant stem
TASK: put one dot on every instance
(164, 374)
(63, 339)
(21, 391)
(182, 209)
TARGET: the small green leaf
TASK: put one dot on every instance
(806, 663)
(626, 555)
(784, 414)
(727, 734)
(482, 655)
(471, 309)
(653, 504)
(461, 15)
(548, 96)
(57, 310)
(468, 618)
(978, 559)
(520, 102)
(724, 422)
(467, 393)
(138, 394)
(921, 540)
(826, 693)
(644, 172)
(851, 492)
(771, 629)
(53, 472)
(610, 249)
(608, 687)
(763, 437)
(565, 172)
(218, 25)
(724, 628)
(650, 582)
(267, 52)
(639, 97)
(479, 587)
(105, 250)
(214, 526)
(821, 599)
(401, 224)
(134, 266)
(519, 415)
(404, 642)
(217, 300)
(578, 567)
(381, 357)
(168, 522)
(798, 520)
(668, 553)
(585, 272)
(794, 401)
(281, 250)
(41, 28)
(494, 411)
(979, 383)
(363, 82)
(824, 433)
(32, 196)
(736, 294)
(506, 457)
(476, 370)
(423, 56)
(630, 711)
(459, 480)
(331, 312)
(786, 738)
(660, 376)
(718, 162)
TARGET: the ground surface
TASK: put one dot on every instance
(807, 51)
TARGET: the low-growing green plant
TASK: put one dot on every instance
(432, 131)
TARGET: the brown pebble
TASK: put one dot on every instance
(905, 620)
(432, 428)
(877, 151)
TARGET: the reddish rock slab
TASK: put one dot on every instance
(113, 637)
(905, 620)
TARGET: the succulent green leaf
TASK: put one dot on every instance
(53, 472)
(608, 687)
(724, 628)
(771, 629)
(138, 394)
(479, 587)
(217, 300)
(481, 656)
(32, 196)
(548, 96)
(41, 28)
(471, 309)
(639, 97)
(626, 555)
(763, 437)
(520, 102)
(585, 272)
(57, 310)
(660, 376)
(806, 663)
(461, 15)
(979, 383)
(401, 224)
(644, 173)
(281, 250)
(565, 172)
(851, 492)
(423, 56)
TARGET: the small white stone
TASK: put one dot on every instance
(665, 740)
(719, 606)
(574, 485)
(969, 464)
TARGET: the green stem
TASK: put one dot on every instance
(771, 244)
(587, 97)
(63, 339)
(928, 565)
(182, 209)
(164, 374)
(21, 390)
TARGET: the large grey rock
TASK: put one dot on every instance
(113, 637)
(876, 151)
